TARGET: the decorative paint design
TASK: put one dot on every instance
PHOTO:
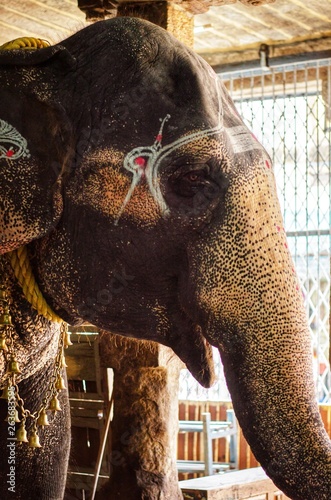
(242, 139)
(144, 162)
(12, 144)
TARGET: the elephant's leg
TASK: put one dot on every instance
(37, 473)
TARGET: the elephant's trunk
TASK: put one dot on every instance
(257, 320)
(274, 400)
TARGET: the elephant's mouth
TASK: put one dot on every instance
(196, 352)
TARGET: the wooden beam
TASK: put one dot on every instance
(96, 10)
(246, 55)
(244, 484)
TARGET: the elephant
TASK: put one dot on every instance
(123, 159)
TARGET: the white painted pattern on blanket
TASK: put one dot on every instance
(12, 144)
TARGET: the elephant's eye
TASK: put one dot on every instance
(192, 189)
(189, 182)
(194, 176)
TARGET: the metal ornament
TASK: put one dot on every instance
(3, 343)
(60, 384)
(63, 363)
(50, 401)
(43, 418)
(13, 366)
(5, 394)
(54, 404)
(5, 318)
(34, 440)
(67, 340)
(21, 434)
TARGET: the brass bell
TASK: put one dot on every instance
(21, 436)
(3, 345)
(43, 418)
(13, 366)
(60, 383)
(54, 404)
(5, 394)
(5, 317)
(67, 342)
(63, 363)
(34, 440)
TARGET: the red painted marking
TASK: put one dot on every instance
(140, 161)
(285, 245)
(159, 137)
(267, 164)
(9, 153)
(278, 228)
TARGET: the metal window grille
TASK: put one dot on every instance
(288, 108)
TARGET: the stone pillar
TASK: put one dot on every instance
(145, 420)
(169, 16)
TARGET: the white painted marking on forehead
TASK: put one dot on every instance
(144, 161)
(242, 139)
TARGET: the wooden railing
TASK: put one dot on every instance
(190, 446)
(211, 430)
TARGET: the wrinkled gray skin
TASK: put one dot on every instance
(195, 251)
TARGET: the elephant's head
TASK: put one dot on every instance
(151, 211)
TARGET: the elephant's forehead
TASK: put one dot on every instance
(106, 185)
(113, 189)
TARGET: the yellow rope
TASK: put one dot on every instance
(26, 42)
(20, 263)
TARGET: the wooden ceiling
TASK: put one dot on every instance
(225, 30)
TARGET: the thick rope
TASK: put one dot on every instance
(25, 43)
(20, 263)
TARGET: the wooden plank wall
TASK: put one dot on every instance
(87, 387)
(190, 446)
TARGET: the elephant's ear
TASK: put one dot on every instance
(24, 56)
(35, 142)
